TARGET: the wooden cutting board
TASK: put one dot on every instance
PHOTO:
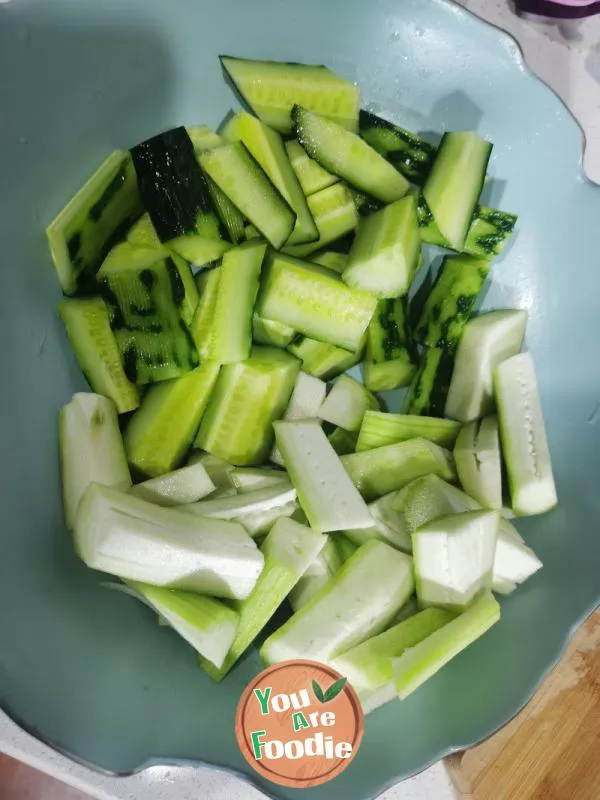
(551, 750)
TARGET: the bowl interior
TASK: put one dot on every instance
(89, 670)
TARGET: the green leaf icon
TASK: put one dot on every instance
(318, 692)
(335, 689)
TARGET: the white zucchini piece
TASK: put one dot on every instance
(514, 562)
(368, 666)
(486, 342)
(380, 428)
(185, 485)
(478, 462)
(419, 663)
(319, 572)
(358, 602)
(523, 436)
(91, 449)
(389, 525)
(136, 540)
(387, 469)
(326, 493)
(347, 403)
(454, 558)
(305, 402)
(288, 549)
(249, 479)
(256, 510)
(208, 625)
(219, 471)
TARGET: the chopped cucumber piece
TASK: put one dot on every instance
(136, 540)
(343, 442)
(319, 572)
(325, 491)
(421, 662)
(314, 302)
(199, 251)
(256, 510)
(322, 360)
(305, 402)
(387, 469)
(87, 325)
(368, 666)
(331, 259)
(429, 388)
(487, 341)
(93, 221)
(160, 433)
(335, 216)
(344, 546)
(267, 148)
(247, 479)
(388, 525)
(478, 462)
(248, 397)
(218, 470)
(266, 331)
(173, 188)
(455, 182)
(347, 403)
(91, 449)
(273, 88)
(514, 562)
(451, 300)
(207, 624)
(390, 360)
(386, 251)
(146, 296)
(523, 435)
(203, 138)
(289, 549)
(454, 558)
(489, 232)
(311, 175)
(346, 155)
(143, 234)
(358, 602)
(379, 428)
(201, 328)
(228, 338)
(409, 153)
(241, 178)
(185, 485)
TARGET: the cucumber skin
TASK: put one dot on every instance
(409, 153)
(391, 358)
(429, 388)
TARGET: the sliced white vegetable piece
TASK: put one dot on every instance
(368, 666)
(514, 562)
(347, 403)
(91, 449)
(185, 485)
(421, 662)
(249, 479)
(218, 470)
(136, 540)
(289, 549)
(326, 493)
(454, 558)
(389, 525)
(387, 469)
(205, 623)
(486, 342)
(523, 436)
(479, 463)
(358, 602)
(320, 571)
(256, 511)
(305, 402)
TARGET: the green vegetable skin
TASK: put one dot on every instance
(390, 360)
(380, 428)
(421, 662)
(288, 549)
(343, 442)
(410, 154)
(429, 388)
(449, 305)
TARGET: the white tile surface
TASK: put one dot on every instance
(568, 58)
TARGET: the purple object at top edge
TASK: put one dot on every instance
(560, 9)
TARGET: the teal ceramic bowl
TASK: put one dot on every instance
(88, 670)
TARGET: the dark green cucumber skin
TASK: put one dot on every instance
(365, 204)
(388, 332)
(410, 154)
(173, 188)
(429, 388)
(435, 330)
